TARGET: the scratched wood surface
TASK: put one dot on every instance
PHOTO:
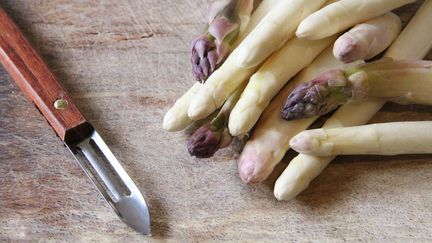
(124, 63)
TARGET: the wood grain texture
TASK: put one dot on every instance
(124, 63)
(38, 83)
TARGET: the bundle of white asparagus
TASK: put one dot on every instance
(261, 86)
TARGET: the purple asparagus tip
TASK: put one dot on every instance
(318, 96)
(205, 141)
(225, 20)
(204, 57)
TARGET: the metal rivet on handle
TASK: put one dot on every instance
(60, 104)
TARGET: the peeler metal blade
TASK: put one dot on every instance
(112, 181)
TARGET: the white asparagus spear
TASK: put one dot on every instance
(220, 85)
(343, 14)
(390, 138)
(400, 81)
(417, 33)
(270, 138)
(366, 40)
(176, 118)
(274, 30)
(304, 168)
(270, 78)
(260, 12)
(414, 42)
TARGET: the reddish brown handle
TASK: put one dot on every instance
(36, 81)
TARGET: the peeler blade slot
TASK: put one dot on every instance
(102, 170)
(114, 163)
(86, 167)
(115, 185)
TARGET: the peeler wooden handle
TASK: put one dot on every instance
(38, 83)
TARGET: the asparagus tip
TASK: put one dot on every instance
(209, 50)
(246, 170)
(312, 142)
(205, 141)
(347, 50)
(304, 142)
(204, 57)
(198, 111)
(305, 31)
(318, 96)
(253, 168)
(284, 192)
(170, 123)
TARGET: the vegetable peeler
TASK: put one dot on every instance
(42, 88)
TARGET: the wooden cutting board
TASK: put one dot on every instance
(124, 63)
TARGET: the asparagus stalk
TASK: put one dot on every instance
(304, 168)
(366, 40)
(213, 136)
(226, 18)
(220, 85)
(401, 81)
(176, 118)
(270, 79)
(380, 139)
(298, 175)
(274, 30)
(416, 33)
(270, 139)
(264, 7)
(343, 14)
